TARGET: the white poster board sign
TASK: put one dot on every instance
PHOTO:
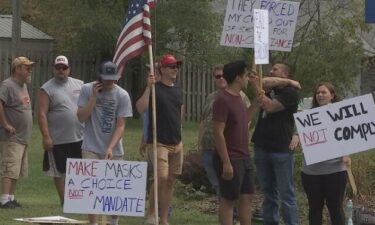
(261, 44)
(338, 129)
(238, 28)
(110, 187)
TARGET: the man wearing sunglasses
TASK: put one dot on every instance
(168, 115)
(16, 124)
(58, 99)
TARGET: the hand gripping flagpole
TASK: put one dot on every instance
(154, 137)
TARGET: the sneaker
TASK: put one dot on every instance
(8, 205)
(15, 203)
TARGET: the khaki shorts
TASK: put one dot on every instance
(93, 155)
(14, 160)
(170, 157)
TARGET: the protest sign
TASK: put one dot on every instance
(110, 187)
(338, 129)
(238, 28)
(261, 45)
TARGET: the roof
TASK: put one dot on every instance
(27, 30)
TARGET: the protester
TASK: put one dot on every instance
(324, 182)
(168, 115)
(231, 131)
(15, 131)
(273, 158)
(149, 217)
(206, 141)
(205, 133)
(57, 102)
(103, 107)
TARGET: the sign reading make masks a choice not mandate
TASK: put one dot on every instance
(338, 129)
(111, 187)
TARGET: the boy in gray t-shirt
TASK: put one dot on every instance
(103, 107)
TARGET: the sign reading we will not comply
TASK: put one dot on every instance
(238, 28)
(110, 187)
(337, 129)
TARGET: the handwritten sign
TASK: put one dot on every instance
(238, 28)
(338, 129)
(109, 187)
(261, 45)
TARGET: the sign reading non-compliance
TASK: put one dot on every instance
(110, 187)
(337, 129)
(238, 28)
(261, 45)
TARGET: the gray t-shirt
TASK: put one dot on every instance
(325, 167)
(17, 109)
(99, 128)
(63, 124)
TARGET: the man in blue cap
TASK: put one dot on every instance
(103, 106)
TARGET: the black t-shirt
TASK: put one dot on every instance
(168, 114)
(274, 131)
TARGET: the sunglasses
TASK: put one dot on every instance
(174, 66)
(60, 67)
(218, 76)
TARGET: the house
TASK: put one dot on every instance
(33, 41)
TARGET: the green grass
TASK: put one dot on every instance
(38, 196)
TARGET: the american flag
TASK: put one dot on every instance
(136, 34)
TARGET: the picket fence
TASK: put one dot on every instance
(195, 79)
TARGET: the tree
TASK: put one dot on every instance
(328, 44)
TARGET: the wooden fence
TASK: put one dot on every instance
(196, 80)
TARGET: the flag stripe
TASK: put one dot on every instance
(136, 33)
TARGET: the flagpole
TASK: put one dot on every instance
(154, 138)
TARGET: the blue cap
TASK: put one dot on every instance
(108, 71)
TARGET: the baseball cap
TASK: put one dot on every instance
(108, 71)
(169, 59)
(22, 61)
(62, 60)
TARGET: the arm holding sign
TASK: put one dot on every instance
(116, 137)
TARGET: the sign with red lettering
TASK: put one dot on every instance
(338, 129)
(238, 28)
(112, 187)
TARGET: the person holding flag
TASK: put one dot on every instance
(168, 109)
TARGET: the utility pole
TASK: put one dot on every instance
(16, 27)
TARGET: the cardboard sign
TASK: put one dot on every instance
(261, 45)
(338, 129)
(111, 187)
(238, 28)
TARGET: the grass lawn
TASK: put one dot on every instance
(38, 196)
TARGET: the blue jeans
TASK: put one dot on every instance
(208, 164)
(275, 174)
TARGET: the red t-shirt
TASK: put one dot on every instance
(231, 110)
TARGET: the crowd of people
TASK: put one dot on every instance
(95, 114)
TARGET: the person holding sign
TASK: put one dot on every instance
(168, 110)
(232, 161)
(57, 101)
(103, 106)
(324, 182)
(273, 158)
